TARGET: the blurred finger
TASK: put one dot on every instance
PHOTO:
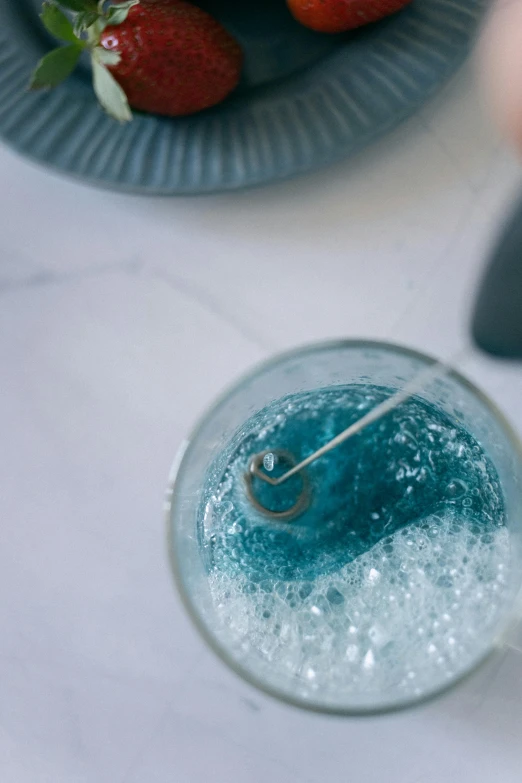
(500, 54)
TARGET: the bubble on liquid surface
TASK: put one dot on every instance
(376, 593)
(269, 462)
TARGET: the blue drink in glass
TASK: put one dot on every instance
(398, 576)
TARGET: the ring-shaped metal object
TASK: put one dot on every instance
(254, 471)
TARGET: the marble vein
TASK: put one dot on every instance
(209, 303)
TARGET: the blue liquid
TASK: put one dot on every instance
(406, 527)
(413, 463)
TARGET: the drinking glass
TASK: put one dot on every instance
(330, 365)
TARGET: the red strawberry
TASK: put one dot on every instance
(175, 58)
(163, 56)
(337, 16)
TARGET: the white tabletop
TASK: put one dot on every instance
(121, 318)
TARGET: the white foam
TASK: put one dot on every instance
(413, 613)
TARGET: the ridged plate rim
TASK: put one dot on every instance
(313, 119)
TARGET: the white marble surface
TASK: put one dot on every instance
(120, 319)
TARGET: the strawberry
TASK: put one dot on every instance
(175, 58)
(163, 56)
(337, 16)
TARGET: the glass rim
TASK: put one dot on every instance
(177, 471)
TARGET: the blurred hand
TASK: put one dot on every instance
(500, 54)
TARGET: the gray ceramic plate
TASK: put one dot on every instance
(306, 99)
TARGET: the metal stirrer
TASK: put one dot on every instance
(435, 370)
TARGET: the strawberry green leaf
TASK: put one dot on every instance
(79, 5)
(56, 66)
(106, 56)
(117, 14)
(84, 20)
(108, 91)
(57, 23)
